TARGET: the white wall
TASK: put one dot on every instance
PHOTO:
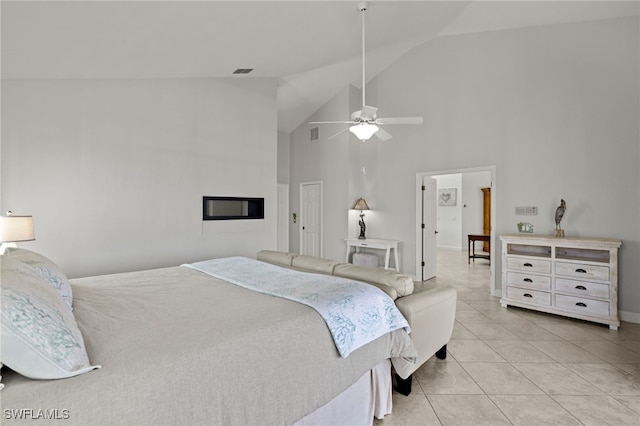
(113, 171)
(449, 218)
(454, 223)
(555, 110)
(284, 154)
(327, 161)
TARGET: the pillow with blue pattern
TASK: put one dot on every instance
(39, 334)
(46, 268)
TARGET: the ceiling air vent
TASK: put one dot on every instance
(243, 71)
(315, 134)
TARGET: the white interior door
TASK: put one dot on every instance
(283, 217)
(429, 223)
(311, 218)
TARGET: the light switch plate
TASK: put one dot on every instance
(527, 211)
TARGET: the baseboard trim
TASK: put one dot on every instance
(630, 316)
(456, 248)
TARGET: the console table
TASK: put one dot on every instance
(472, 247)
(378, 244)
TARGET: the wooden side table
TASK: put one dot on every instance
(472, 247)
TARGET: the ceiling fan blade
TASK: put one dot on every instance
(368, 113)
(333, 122)
(399, 120)
(383, 134)
(337, 134)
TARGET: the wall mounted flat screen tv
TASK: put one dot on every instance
(225, 208)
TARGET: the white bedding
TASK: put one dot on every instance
(356, 313)
(180, 347)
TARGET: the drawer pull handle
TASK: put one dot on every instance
(527, 280)
(583, 305)
(581, 287)
(581, 271)
(527, 295)
(528, 265)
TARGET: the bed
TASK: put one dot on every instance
(179, 346)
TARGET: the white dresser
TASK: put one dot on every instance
(574, 277)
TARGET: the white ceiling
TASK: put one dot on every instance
(312, 47)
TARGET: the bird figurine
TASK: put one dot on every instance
(559, 214)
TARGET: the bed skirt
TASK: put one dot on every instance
(368, 397)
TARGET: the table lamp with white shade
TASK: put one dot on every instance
(15, 229)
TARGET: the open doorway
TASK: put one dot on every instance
(450, 205)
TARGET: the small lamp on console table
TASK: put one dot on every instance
(14, 229)
(361, 205)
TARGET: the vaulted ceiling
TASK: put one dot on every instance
(313, 48)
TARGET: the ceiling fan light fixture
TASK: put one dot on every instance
(363, 123)
(363, 131)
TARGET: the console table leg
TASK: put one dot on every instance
(395, 254)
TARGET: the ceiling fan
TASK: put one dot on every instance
(365, 123)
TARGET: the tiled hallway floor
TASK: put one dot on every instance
(519, 367)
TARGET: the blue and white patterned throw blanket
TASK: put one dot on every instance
(356, 313)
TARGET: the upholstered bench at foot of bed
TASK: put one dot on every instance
(403, 386)
(430, 312)
(431, 315)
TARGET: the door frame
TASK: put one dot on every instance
(427, 226)
(283, 217)
(301, 209)
(418, 227)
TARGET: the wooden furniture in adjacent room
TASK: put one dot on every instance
(574, 277)
(472, 247)
(486, 216)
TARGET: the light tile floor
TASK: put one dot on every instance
(519, 367)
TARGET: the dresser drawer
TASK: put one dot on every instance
(582, 305)
(540, 298)
(582, 288)
(529, 265)
(539, 282)
(582, 271)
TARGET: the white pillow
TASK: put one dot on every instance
(46, 268)
(40, 337)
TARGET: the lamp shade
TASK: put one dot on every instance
(361, 204)
(16, 228)
(363, 131)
